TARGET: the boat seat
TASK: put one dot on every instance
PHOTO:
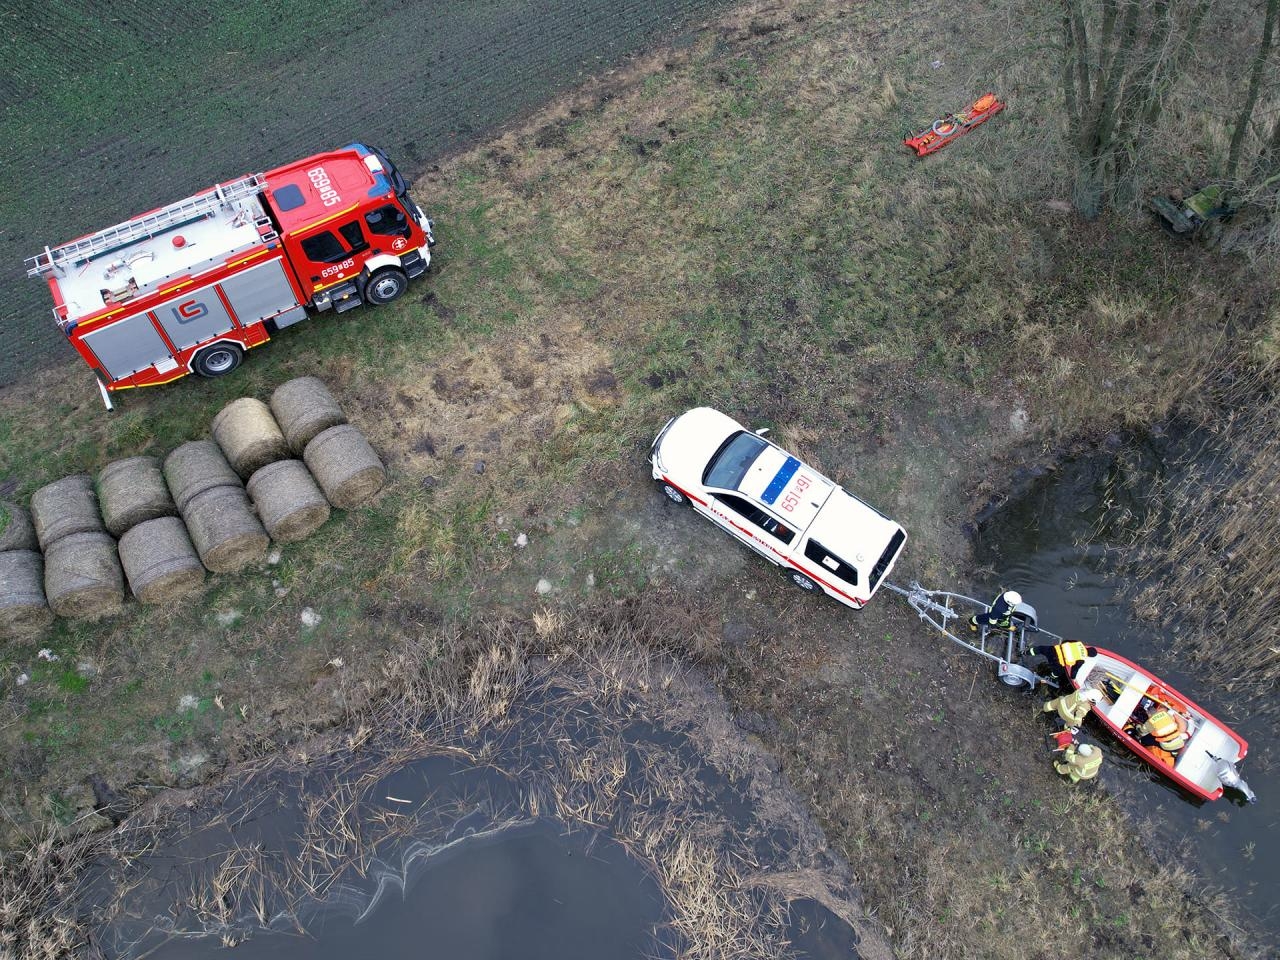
(1134, 690)
(1194, 760)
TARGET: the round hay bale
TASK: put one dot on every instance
(304, 407)
(289, 503)
(195, 467)
(249, 435)
(346, 466)
(226, 534)
(82, 576)
(160, 560)
(131, 492)
(16, 531)
(65, 507)
(23, 609)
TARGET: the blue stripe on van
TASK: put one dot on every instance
(780, 480)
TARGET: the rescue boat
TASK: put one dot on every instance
(1204, 765)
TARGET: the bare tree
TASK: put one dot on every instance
(1251, 97)
(1121, 60)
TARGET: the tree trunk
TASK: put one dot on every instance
(1255, 84)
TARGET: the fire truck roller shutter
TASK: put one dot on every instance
(127, 346)
(260, 294)
(194, 317)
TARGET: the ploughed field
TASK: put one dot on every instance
(98, 110)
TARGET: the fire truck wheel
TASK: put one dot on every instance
(801, 581)
(217, 360)
(385, 285)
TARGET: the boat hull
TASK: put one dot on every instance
(1128, 688)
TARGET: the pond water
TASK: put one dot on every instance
(530, 891)
(1047, 545)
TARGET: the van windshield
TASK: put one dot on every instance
(732, 461)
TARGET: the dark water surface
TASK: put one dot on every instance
(1033, 545)
(530, 892)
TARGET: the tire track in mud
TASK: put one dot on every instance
(419, 80)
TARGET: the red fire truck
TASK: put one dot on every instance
(188, 288)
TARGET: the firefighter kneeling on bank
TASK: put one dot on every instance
(1080, 762)
(1073, 707)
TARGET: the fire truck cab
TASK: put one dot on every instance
(190, 287)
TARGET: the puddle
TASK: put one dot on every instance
(606, 812)
(528, 891)
(1034, 545)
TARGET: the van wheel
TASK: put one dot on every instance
(217, 360)
(385, 285)
(674, 495)
(801, 581)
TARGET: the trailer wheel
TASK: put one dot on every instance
(385, 285)
(801, 581)
(217, 360)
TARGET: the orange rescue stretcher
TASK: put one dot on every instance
(953, 126)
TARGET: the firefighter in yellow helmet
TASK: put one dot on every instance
(1079, 762)
(1073, 707)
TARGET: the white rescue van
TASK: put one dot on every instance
(789, 513)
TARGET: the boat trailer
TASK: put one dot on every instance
(942, 608)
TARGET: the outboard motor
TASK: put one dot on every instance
(1229, 776)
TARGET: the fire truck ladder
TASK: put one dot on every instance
(177, 214)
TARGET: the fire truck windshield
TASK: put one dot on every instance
(398, 182)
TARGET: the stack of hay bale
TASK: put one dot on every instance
(159, 559)
(336, 453)
(298, 456)
(82, 575)
(24, 612)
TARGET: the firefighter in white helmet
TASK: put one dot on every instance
(1000, 615)
(1079, 762)
(1073, 707)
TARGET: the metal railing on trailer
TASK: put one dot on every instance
(940, 608)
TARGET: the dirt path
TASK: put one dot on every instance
(103, 120)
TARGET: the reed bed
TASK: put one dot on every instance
(1202, 561)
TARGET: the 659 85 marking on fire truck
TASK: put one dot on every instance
(189, 287)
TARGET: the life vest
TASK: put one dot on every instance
(1168, 729)
(1069, 653)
